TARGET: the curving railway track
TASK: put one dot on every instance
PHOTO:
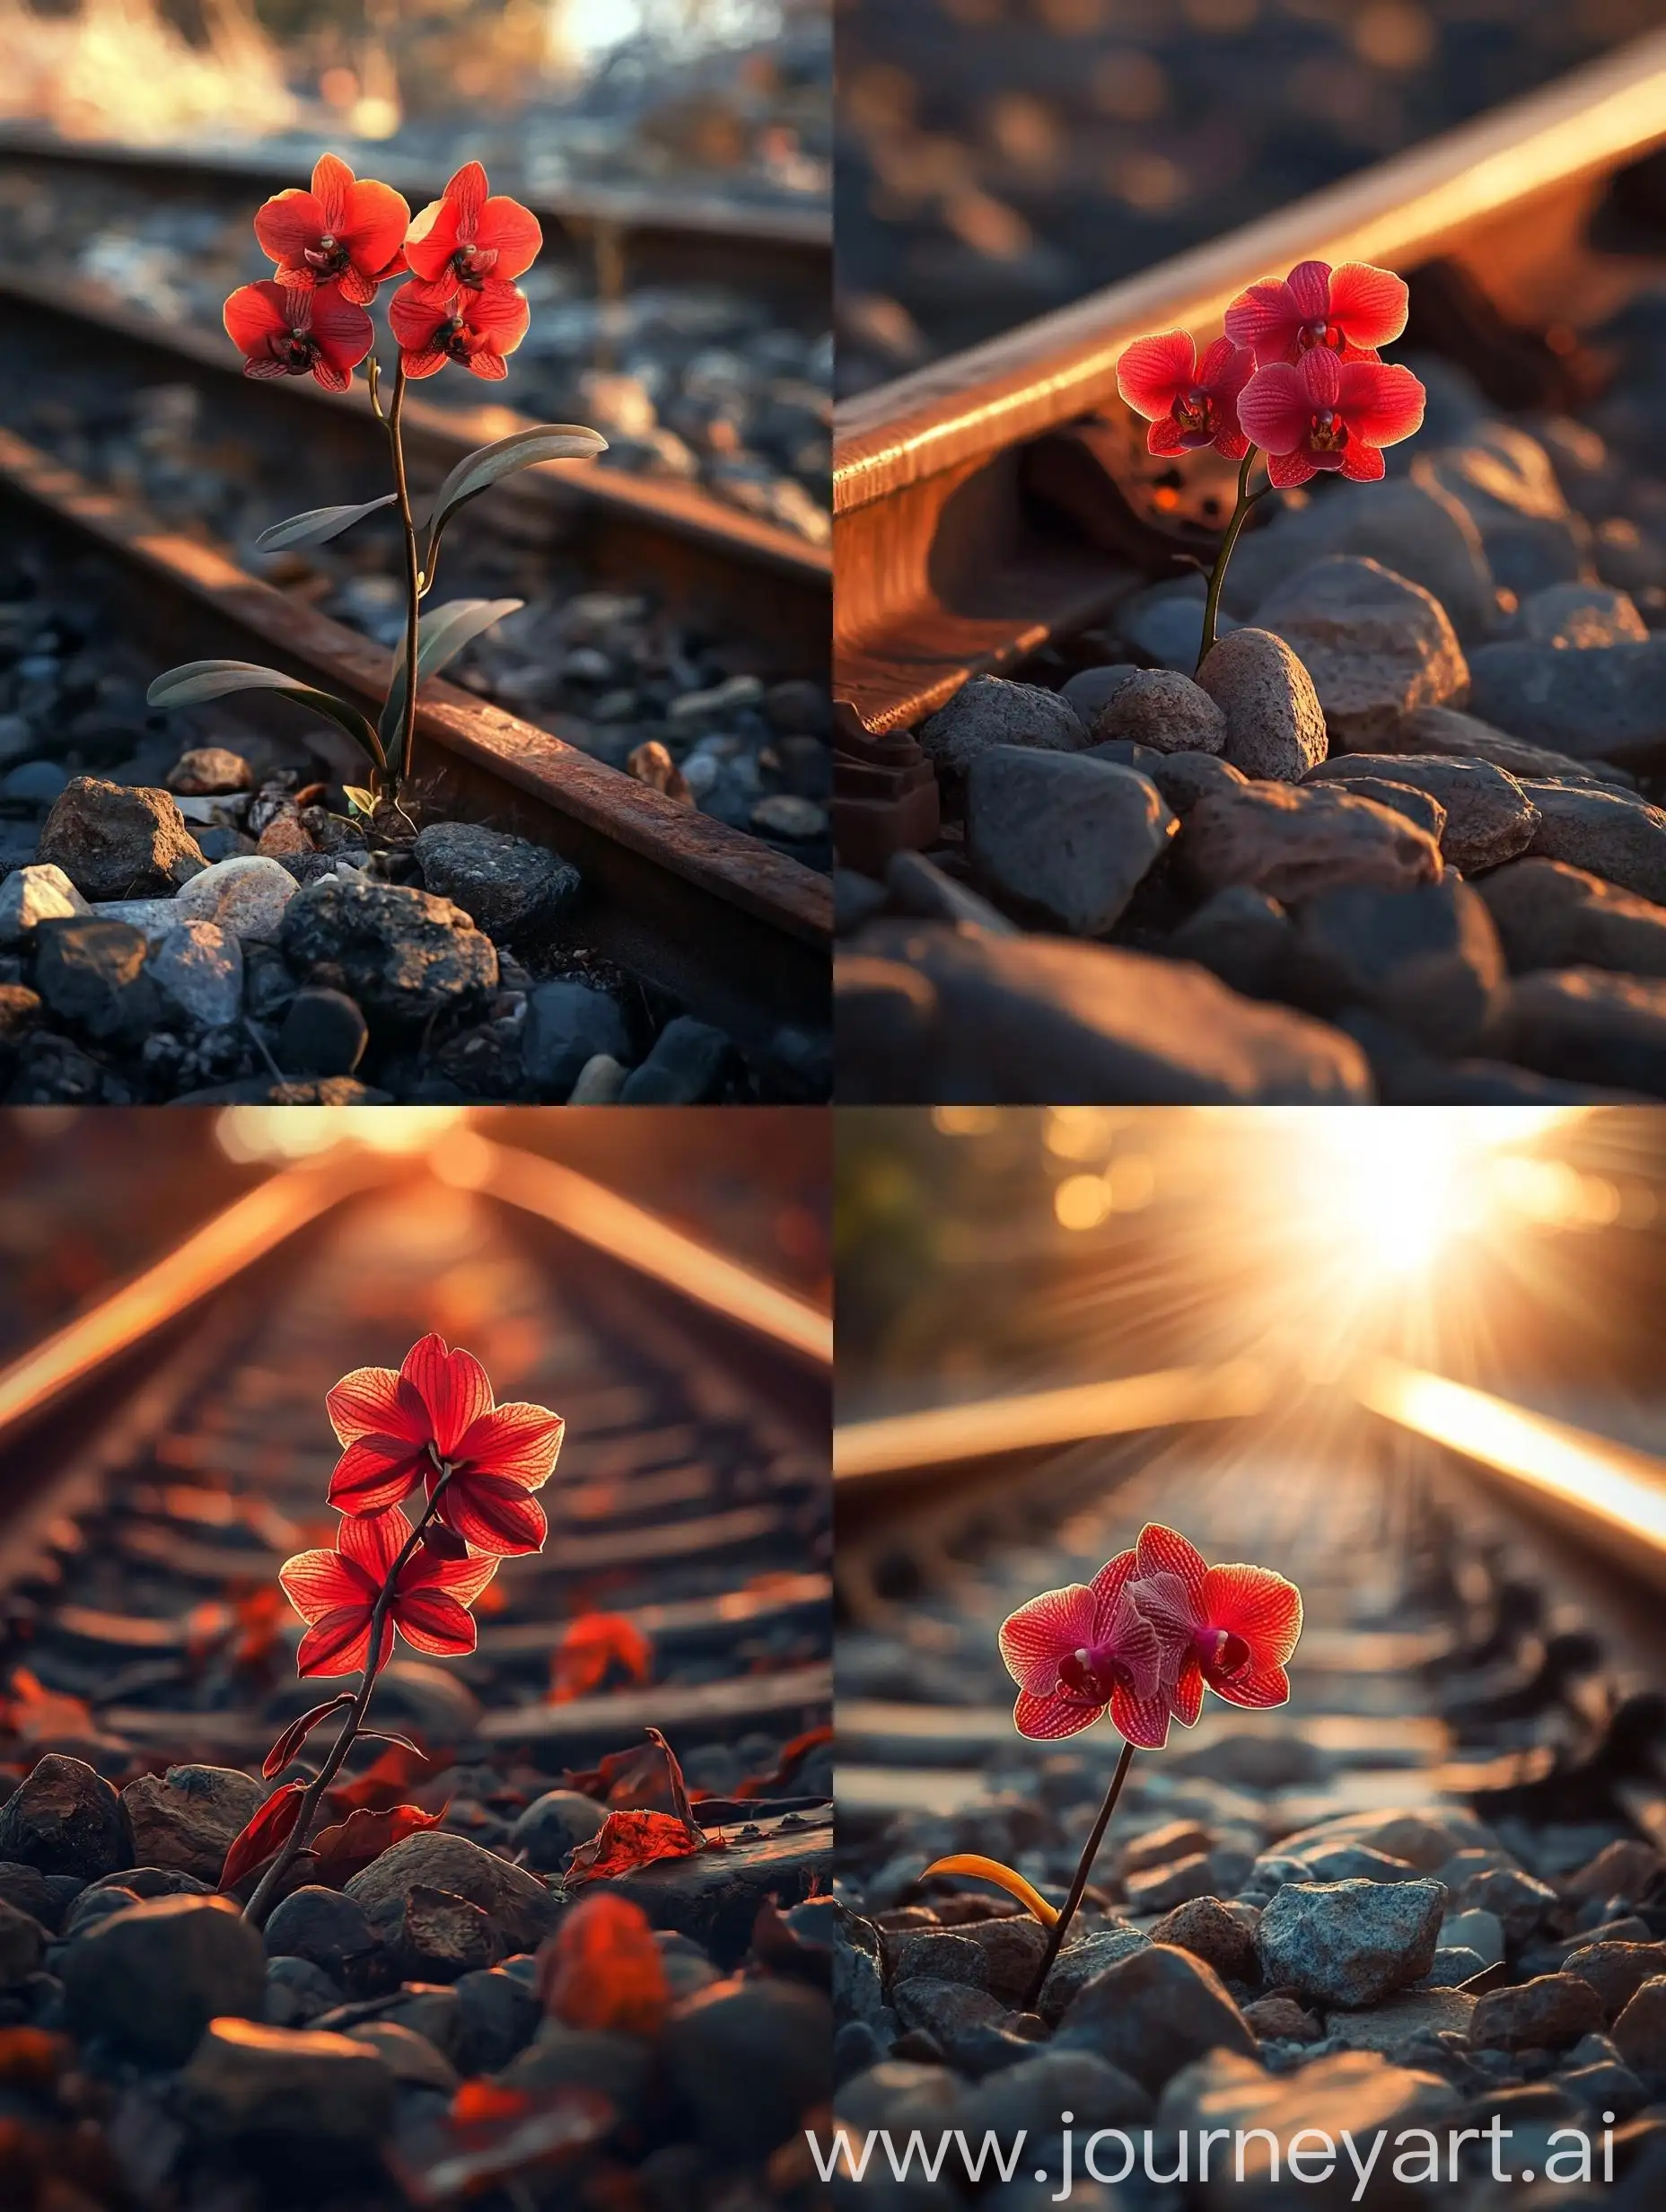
(166, 1450)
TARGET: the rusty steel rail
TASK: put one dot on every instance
(710, 561)
(647, 236)
(717, 917)
(946, 569)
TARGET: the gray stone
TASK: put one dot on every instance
(686, 1066)
(198, 968)
(1185, 777)
(188, 1817)
(403, 955)
(1400, 798)
(1392, 2027)
(1350, 1943)
(1012, 1948)
(1080, 1959)
(1160, 1889)
(209, 771)
(507, 885)
(149, 1980)
(1065, 837)
(1029, 2097)
(1294, 842)
(246, 895)
(497, 2017)
(749, 2060)
(298, 1993)
(1425, 1839)
(567, 1024)
(917, 886)
(1275, 724)
(1356, 2093)
(118, 840)
(522, 1909)
(553, 1825)
(22, 1945)
(1036, 1019)
(1607, 704)
(411, 2059)
(1550, 916)
(1412, 525)
(789, 815)
(1616, 1970)
(1151, 2013)
(941, 1953)
(1612, 834)
(1547, 2013)
(899, 2094)
(1163, 623)
(1242, 936)
(1482, 1932)
(323, 1927)
(1090, 689)
(1445, 734)
(1577, 617)
(37, 783)
(1214, 1933)
(1490, 817)
(1504, 479)
(442, 1935)
(615, 2063)
(1159, 707)
(1519, 1902)
(92, 975)
(1628, 1868)
(298, 2085)
(324, 1034)
(1376, 647)
(990, 710)
(1586, 1026)
(63, 1818)
(31, 895)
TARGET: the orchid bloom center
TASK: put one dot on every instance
(327, 258)
(1194, 411)
(1328, 433)
(296, 349)
(473, 263)
(1222, 1653)
(1090, 1675)
(457, 340)
(1319, 332)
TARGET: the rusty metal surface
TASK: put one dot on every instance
(943, 570)
(721, 919)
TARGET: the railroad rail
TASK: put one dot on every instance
(1001, 498)
(652, 235)
(162, 1451)
(1525, 1529)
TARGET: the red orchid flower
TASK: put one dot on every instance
(1322, 412)
(346, 230)
(1078, 1652)
(467, 239)
(401, 1430)
(334, 1593)
(1233, 1628)
(285, 331)
(1187, 402)
(1349, 310)
(475, 329)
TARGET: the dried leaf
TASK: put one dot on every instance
(589, 1647)
(468, 2155)
(627, 1841)
(383, 1783)
(298, 1731)
(348, 1847)
(602, 1969)
(482, 2100)
(679, 1788)
(792, 1755)
(265, 1836)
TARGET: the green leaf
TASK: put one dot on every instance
(442, 633)
(318, 524)
(195, 681)
(487, 465)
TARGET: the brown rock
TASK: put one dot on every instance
(1294, 842)
(1640, 2031)
(1161, 1847)
(1377, 646)
(1275, 724)
(1549, 915)
(118, 840)
(1445, 734)
(1613, 834)
(1158, 1889)
(1544, 2015)
(1012, 1948)
(188, 1817)
(247, 2080)
(1588, 1027)
(1616, 1971)
(1626, 1868)
(209, 771)
(1153, 2013)
(1276, 2018)
(1205, 1927)
(1157, 706)
(523, 1911)
(1489, 818)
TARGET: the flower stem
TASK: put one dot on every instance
(265, 1897)
(1056, 1935)
(413, 570)
(1217, 574)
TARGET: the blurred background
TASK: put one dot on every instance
(998, 158)
(88, 1197)
(983, 1250)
